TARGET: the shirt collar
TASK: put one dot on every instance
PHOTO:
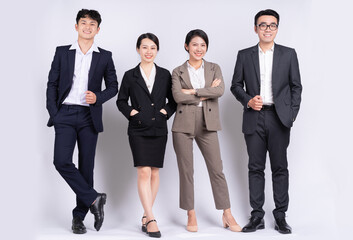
(271, 49)
(191, 67)
(93, 48)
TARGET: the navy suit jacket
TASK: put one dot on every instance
(61, 77)
(286, 84)
(149, 121)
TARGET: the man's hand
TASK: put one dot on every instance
(256, 103)
(91, 98)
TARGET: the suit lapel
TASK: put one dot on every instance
(255, 59)
(139, 79)
(71, 62)
(95, 60)
(185, 75)
(157, 81)
(209, 74)
(275, 64)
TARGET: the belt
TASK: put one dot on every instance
(268, 107)
(76, 107)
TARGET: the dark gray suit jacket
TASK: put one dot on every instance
(286, 84)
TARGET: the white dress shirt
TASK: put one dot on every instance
(197, 77)
(149, 80)
(79, 86)
(266, 61)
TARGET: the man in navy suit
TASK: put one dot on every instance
(267, 83)
(74, 103)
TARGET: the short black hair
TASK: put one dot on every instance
(150, 36)
(196, 33)
(93, 14)
(268, 12)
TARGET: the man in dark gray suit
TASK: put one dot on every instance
(267, 82)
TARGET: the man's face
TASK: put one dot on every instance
(87, 28)
(266, 35)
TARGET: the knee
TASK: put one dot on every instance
(61, 166)
(155, 173)
(256, 167)
(144, 173)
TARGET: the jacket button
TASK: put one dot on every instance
(152, 104)
(209, 109)
(180, 111)
(139, 122)
(153, 119)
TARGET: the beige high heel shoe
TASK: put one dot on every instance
(233, 228)
(191, 228)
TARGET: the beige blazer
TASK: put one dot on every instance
(184, 120)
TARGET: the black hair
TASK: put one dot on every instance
(150, 36)
(268, 12)
(196, 33)
(93, 14)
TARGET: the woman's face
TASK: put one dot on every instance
(148, 50)
(197, 48)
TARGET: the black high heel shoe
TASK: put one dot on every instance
(143, 228)
(153, 234)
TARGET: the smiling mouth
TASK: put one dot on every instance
(198, 54)
(148, 56)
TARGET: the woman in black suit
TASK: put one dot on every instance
(148, 87)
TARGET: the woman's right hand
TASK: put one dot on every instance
(216, 82)
(133, 112)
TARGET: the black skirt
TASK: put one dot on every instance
(148, 150)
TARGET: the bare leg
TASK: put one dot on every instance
(146, 197)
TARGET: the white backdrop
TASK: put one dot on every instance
(36, 202)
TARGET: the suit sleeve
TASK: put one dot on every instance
(213, 92)
(53, 84)
(123, 98)
(111, 83)
(237, 87)
(170, 107)
(295, 85)
(178, 95)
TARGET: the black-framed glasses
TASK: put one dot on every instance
(264, 26)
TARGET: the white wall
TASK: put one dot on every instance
(36, 198)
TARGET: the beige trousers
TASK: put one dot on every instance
(208, 143)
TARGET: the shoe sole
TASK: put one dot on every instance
(79, 232)
(277, 229)
(257, 228)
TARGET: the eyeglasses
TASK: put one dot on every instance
(264, 26)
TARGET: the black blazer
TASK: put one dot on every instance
(149, 121)
(286, 84)
(61, 76)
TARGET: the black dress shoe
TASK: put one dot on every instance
(97, 210)
(254, 224)
(77, 226)
(153, 234)
(282, 226)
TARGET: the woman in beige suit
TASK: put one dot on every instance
(196, 87)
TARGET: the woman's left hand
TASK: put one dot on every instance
(189, 91)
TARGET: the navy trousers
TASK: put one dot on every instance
(74, 124)
(273, 137)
